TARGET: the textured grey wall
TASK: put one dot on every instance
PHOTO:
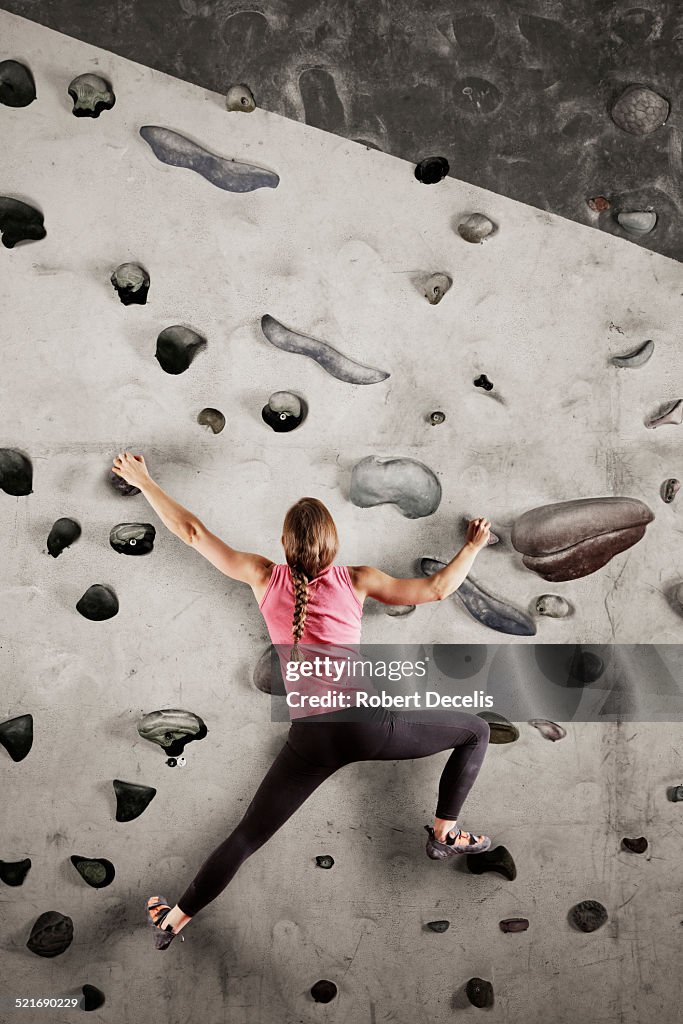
(515, 96)
(541, 308)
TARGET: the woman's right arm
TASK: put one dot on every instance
(371, 582)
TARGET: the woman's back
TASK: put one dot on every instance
(333, 612)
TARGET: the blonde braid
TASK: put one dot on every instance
(300, 581)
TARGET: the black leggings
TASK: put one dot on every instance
(317, 748)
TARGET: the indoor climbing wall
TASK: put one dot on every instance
(264, 311)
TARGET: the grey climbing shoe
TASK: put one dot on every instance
(470, 844)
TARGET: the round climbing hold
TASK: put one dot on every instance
(432, 169)
(324, 860)
(324, 991)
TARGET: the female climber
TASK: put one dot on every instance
(309, 599)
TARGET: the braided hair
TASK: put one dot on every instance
(310, 540)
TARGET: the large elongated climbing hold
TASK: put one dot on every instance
(486, 608)
(331, 359)
(232, 175)
(406, 483)
(570, 539)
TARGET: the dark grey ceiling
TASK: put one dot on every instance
(516, 96)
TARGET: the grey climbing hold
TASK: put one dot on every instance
(19, 222)
(324, 860)
(432, 170)
(485, 608)
(638, 845)
(670, 489)
(637, 222)
(639, 110)
(438, 926)
(673, 414)
(122, 486)
(176, 348)
(331, 359)
(552, 605)
(498, 860)
(171, 729)
(52, 933)
(513, 925)
(588, 916)
(480, 993)
(399, 611)
(637, 358)
(132, 799)
(16, 736)
(131, 283)
(17, 87)
(240, 97)
(231, 175)
(550, 730)
(96, 871)
(62, 535)
(437, 417)
(492, 538)
(91, 95)
(268, 672)
(98, 603)
(476, 228)
(132, 538)
(410, 485)
(13, 872)
(500, 729)
(284, 411)
(436, 287)
(212, 418)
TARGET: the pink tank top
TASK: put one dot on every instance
(333, 622)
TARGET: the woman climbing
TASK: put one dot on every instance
(309, 599)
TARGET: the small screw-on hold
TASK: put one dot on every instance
(483, 382)
(437, 417)
(324, 860)
(181, 761)
(675, 794)
(171, 762)
(598, 204)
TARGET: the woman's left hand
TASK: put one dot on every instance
(132, 468)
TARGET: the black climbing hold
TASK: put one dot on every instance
(586, 667)
(461, 661)
(675, 794)
(13, 872)
(121, 485)
(93, 997)
(62, 535)
(512, 925)
(498, 860)
(324, 991)
(176, 348)
(171, 762)
(212, 418)
(638, 845)
(171, 729)
(98, 603)
(284, 411)
(17, 87)
(501, 731)
(96, 871)
(588, 916)
(132, 538)
(16, 736)
(19, 222)
(132, 799)
(52, 934)
(670, 489)
(131, 282)
(479, 992)
(437, 417)
(16, 473)
(439, 926)
(324, 860)
(483, 382)
(431, 170)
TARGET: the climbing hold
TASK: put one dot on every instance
(52, 933)
(96, 871)
(640, 110)
(673, 414)
(98, 603)
(570, 539)
(638, 845)
(436, 287)
(176, 348)
(398, 611)
(91, 95)
(16, 736)
(498, 860)
(492, 538)
(670, 489)
(675, 794)
(637, 222)
(13, 872)
(268, 672)
(476, 228)
(132, 799)
(62, 535)
(501, 730)
(93, 997)
(599, 204)
(172, 728)
(479, 992)
(459, 661)
(17, 87)
(406, 483)
(513, 925)
(324, 991)
(585, 667)
(553, 606)
(638, 357)
(120, 485)
(431, 170)
(16, 473)
(324, 860)
(212, 418)
(485, 608)
(335, 362)
(551, 730)
(131, 282)
(588, 916)
(483, 382)
(284, 411)
(435, 418)
(231, 175)
(439, 926)
(132, 538)
(19, 222)
(240, 97)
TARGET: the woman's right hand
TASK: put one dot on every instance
(478, 531)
